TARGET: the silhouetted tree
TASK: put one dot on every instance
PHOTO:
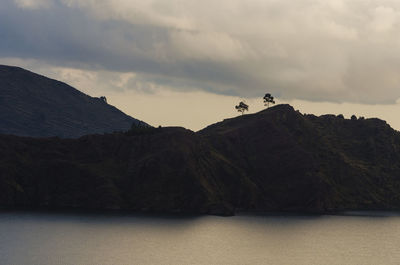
(268, 99)
(353, 117)
(103, 98)
(242, 107)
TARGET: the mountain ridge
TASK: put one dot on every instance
(38, 106)
(274, 160)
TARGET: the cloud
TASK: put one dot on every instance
(34, 4)
(318, 50)
(207, 46)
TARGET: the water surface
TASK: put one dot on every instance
(38, 238)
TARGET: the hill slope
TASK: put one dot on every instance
(302, 161)
(34, 105)
(275, 160)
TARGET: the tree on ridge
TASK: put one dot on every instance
(242, 107)
(268, 99)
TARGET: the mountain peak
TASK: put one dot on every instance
(279, 107)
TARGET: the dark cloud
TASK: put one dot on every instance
(314, 50)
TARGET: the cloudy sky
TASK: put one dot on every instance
(188, 62)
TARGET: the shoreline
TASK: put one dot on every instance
(185, 215)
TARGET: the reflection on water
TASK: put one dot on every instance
(33, 238)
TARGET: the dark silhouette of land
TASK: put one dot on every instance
(34, 105)
(274, 160)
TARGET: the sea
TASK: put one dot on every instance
(45, 238)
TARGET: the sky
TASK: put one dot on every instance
(188, 62)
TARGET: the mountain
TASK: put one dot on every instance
(274, 160)
(36, 106)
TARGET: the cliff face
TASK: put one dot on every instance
(275, 160)
(33, 105)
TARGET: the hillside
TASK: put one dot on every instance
(326, 163)
(274, 160)
(36, 106)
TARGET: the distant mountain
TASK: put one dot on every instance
(274, 160)
(34, 105)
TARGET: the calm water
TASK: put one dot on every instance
(27, 238)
